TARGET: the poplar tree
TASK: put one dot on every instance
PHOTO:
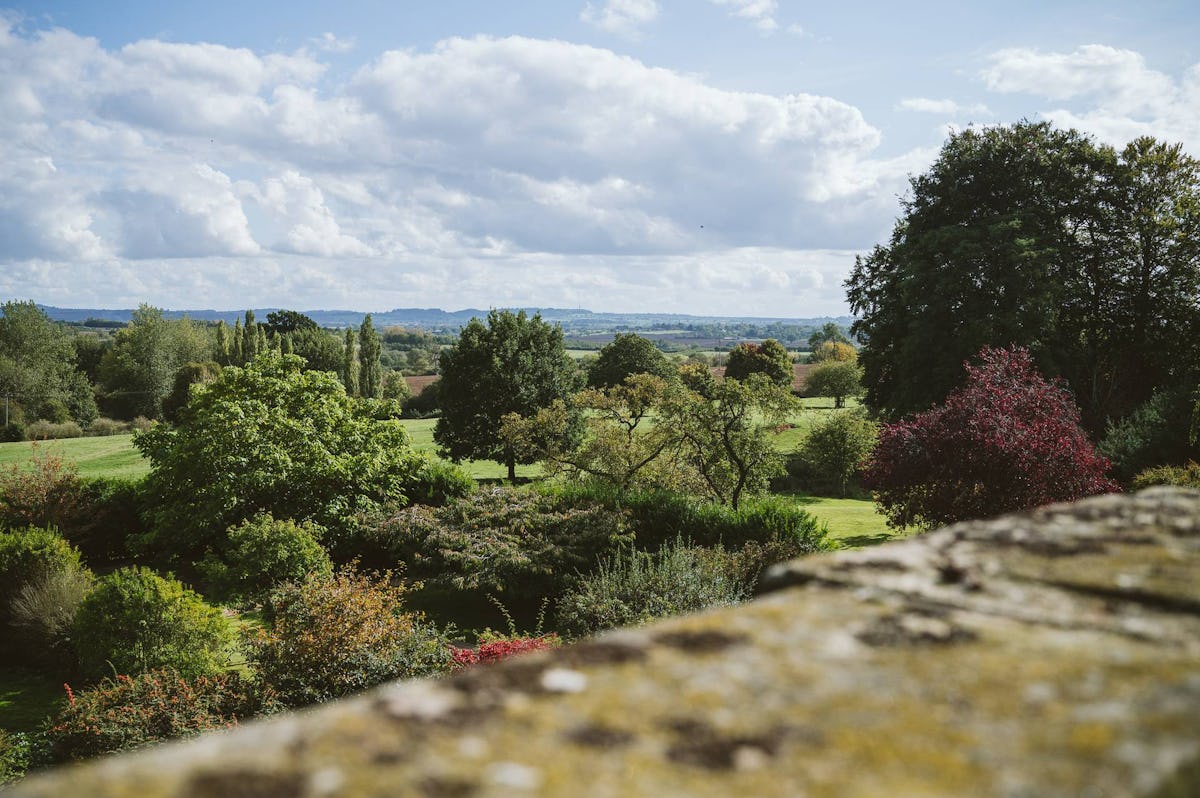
(349, 365)
(370, 372)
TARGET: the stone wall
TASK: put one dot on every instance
(1055, 653)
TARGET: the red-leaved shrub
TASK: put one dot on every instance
(1008, 440)
(496, 650)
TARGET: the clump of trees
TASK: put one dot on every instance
(626, 355)
(769, 358)
(1006, 441)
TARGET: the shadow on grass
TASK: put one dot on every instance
(862, 541)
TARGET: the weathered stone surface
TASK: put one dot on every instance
(1055, 653)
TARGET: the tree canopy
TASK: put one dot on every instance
(1033, 236)
(138, 372)
(272, 438)
(627, 354)
(37, 366)
(513, 364)
(769, 358)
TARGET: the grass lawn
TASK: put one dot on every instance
(109, 456)
(852, 522)
(27, 698)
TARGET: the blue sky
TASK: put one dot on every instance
(711, 156)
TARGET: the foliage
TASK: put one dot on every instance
(30, 556)
(138, 372)
(515, 543)
(496, 650)
(50, 430)
(37, 366)
(1007, 441)
(830, 333)
(635, 587)
(12, 431)
(129, 712)
(1187, 476)
(263, 552)
(837, 446)
(107, 513)
(833, 350)
(726, 437)
(1155, 433)
(283, 322)
(836, 378)
(189, 374)
(272, 438)
(769, 358)
(627, 354)
(395, 387)
(136, 620)
(658, 517)
(321, 350)
(349, 369)
(437, 482)
(370, 373)
(425, 404)
(103, 426)
(621, 446)
(514, 364)
(1027, 235)
(698, 378)
(339, 633)
(42, 492)
(15, 755)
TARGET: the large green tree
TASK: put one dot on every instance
(1029, 235)
(37, 367)
(272, 438)
(512, 364)
(138, 372)
(627, 354)
(769, 358)
(370, 380)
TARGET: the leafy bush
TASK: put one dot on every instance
(437, 482)
(49, 430)
(635, 587)
(262, 553)
(42, 492)
(425, 404)
(520, 544)
(1155, 433)
(1008, 440)
(134, 711)
(109, 513)
(1184, 476)
(340, 633)
(271, 438)
(103, 427)
(136, 621)
(26, 556)
(658, 518)
(15, 750)
(12, 431)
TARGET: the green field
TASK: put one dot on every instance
(111, 456)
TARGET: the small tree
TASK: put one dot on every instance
(833, 350)
(1008, 440)
(349, 372)
(262, 553)
(837, 446)
(769, 358)
(835, 378)
(628, 354)
(369, 349)
(514, 364)
(830, 333)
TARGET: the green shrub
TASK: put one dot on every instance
(837, 445)
(109, 514)
(1187, 476)
(635, 587)
(438, 482)
(659, 517)
(519, 544)
(15, 752)
(12, 431)
(27, 555)
(136, 621)
(134, 711)
(50, 430)
(44, 491)
(103, 427)
(262, 553)
(340, 633)
(1155, 433)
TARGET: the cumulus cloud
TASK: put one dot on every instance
(946, 108)
(760, 12)
(623, 17)
(329, 43)
(1114, 93)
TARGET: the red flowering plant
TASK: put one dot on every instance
(502, 648)
(1006, 441)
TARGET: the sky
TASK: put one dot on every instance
(713, 157)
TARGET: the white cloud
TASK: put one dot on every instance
(312, 229)
(329, 43)
(947, 108)
(760, 12)
(1106, 91)
(623, 17)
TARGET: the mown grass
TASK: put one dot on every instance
(852, 522)
(109, 456)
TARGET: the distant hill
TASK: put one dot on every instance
(572, 319)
